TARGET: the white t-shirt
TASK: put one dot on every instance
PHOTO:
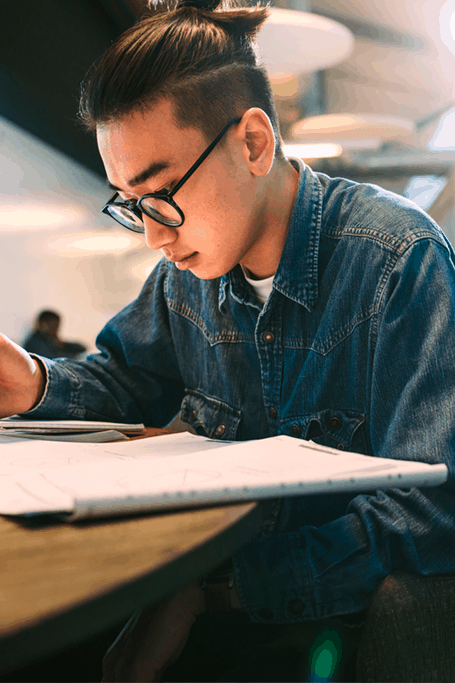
(261, 288)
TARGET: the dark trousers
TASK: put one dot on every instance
(408, 636)
(229, 647)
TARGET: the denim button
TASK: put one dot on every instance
(219, 431)
(341, 446)
(295, 430)
(295, 606)
(193, 414)
(265, 613)
(335, 423)
(272, 413)
(268, 337)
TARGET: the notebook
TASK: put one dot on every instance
(84, 480)
(66, 426)
(69, 430)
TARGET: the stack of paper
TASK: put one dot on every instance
(68, 430)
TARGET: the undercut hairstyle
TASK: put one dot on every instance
(200, 54)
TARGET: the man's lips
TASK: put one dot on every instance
(179, 259)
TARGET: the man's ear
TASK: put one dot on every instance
(259, 141)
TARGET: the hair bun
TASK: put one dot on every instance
(210, 5)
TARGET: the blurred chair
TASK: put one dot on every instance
(409, 633)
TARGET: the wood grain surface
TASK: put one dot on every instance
(60, 583)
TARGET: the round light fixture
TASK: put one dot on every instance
(322, 150)
(340, 127)
(90, 243)
(301, 42)
(38, 217)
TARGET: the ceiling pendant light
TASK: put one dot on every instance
(301, 42)
(320, 150)
(38, 216)
(346, 127)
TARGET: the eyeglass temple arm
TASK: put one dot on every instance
(203, 156)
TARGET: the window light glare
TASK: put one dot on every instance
(423, 190)
(444, 136)
(321, 150)
(447, 25)
(36, 217)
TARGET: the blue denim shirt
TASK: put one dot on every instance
(355, 348)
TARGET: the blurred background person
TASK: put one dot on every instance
(45, 339)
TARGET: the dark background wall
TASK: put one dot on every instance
(46, 49)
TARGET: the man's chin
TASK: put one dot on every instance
(208, 273)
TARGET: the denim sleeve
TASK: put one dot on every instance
(134, 378)
(311, 572)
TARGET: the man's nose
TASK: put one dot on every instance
(157, 235)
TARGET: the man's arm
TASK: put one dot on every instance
(154, 637)
(22, 379)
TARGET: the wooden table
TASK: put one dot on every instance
(61, 583)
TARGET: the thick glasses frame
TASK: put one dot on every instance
(136, 208)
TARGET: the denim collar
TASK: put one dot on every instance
(297, 273)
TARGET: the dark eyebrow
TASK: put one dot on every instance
(154, 169)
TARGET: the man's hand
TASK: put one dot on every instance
(154, 638)
(22, 381)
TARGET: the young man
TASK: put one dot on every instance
(45, 339)
(286, 303)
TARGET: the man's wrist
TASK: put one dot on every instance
(41, 378)
(235, 600)
(220, 590)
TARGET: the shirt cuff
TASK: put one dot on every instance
(60, 392)
(281, 594)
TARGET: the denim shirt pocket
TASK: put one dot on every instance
(209, 416)
(342, 429)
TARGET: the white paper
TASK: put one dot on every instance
(25, 466)
(18, 456)
(105, 436)
(51, 426)
(183, 469)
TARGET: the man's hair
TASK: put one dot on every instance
(47, 316)
(200, 55)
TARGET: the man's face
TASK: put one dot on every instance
(49, 326)
(221, 201)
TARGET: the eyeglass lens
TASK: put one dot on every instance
(126, 217)
(162, 209)
(159, 209)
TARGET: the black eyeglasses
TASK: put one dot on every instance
(158, 205)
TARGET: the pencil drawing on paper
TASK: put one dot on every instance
(249, 470)
(169, 478)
